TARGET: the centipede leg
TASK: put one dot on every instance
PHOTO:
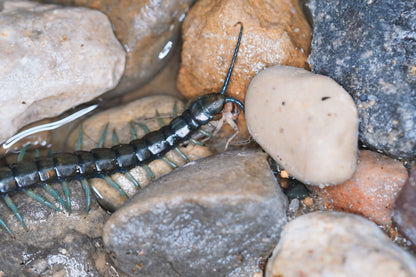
(4, 225)
(29, 192)
(85, 185)
(112, 183)
(127, 174)
(67, 194)
(14, 209)
(54, 194)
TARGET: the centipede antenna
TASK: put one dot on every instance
(67, 194)
(132, 180)
(115, 185)
(235, 101)
(230, 70)
(103, 135)
(182, 155)
(4, 225)
(14, 209)
(40, 199)
(87, 190)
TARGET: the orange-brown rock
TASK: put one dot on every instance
(275, 32)
(372, 190)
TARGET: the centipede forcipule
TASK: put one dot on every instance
(97, 162)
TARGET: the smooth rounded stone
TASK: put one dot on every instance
(369, 48)
(404, 212)
(55, 243)
(149, 31)
(118, 120)
(306, 122)
(371, 191)
(215, 217)
(275, 32)
(337, 244)
(52, 56)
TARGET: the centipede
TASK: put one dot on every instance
(101, 162)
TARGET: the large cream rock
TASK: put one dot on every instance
(53, 58)
(306, 122)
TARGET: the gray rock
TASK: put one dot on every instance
(52, 56)
(55, 243)
(369, 47)
(404, 212)
(217, 216)
(337, 244)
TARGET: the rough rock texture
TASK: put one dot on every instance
(275, 32)
(306, 122)
(52, 56)
(369, 47)
(215, 217)
(149, 31)
(372, 189)
(337, 244)
(56, 243)
(118, 120)
(404, 212)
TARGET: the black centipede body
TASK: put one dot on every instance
(121, 157)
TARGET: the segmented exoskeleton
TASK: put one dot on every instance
(100, 162)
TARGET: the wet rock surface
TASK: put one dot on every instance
(33, 80)
(275, 32)
(148, 30)
(371, 191)
(369, 48)
(304, 121)
(404, 212)
(215, 217)
(337, 244)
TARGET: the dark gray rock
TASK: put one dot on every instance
(404, 212)
(214, 217)
(369, 47)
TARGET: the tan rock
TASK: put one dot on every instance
(275, 32)
(306, 122)
(372, 189)
(147, 29)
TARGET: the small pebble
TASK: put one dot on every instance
(306, 122)
(372, 189)
(217, 216)
(308, 201)
(337, 244)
